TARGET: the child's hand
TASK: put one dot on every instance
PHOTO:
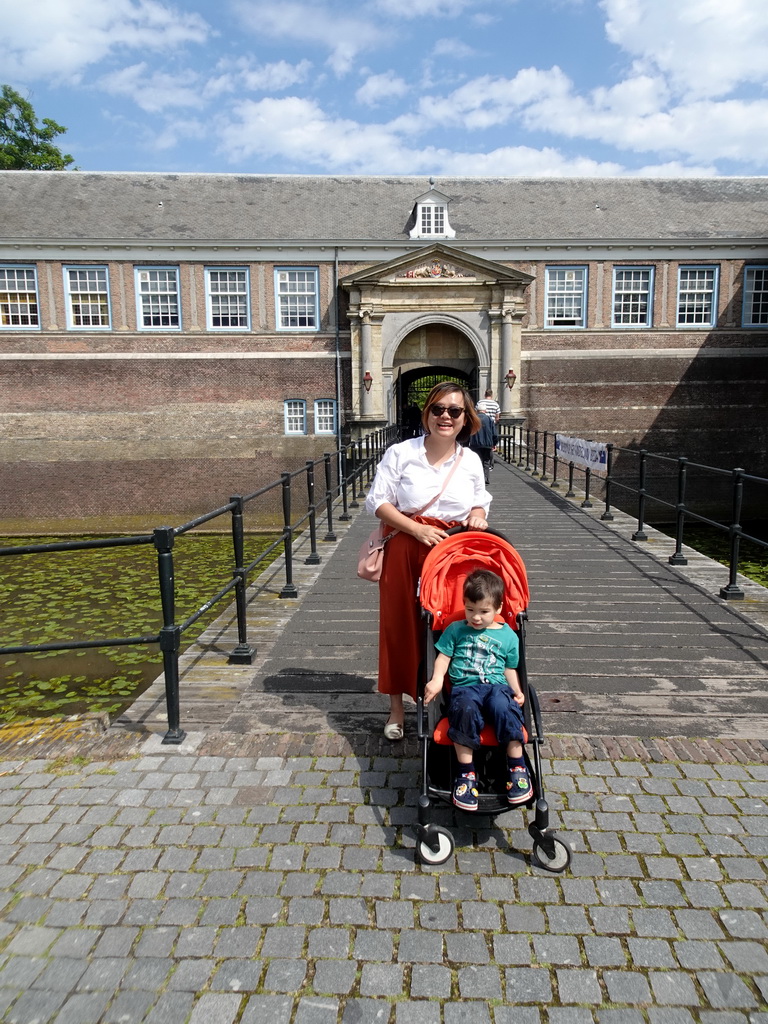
(519, 698)
(432, 689)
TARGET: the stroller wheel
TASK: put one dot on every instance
(434, 836)
(560, 859)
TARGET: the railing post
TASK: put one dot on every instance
(733, 591)
(544, 458)
(555, 465)
(353, 476)
(243, 653)
(535, 453)
(678, 558)
(527, 449)
(588, 474)
(608, 515)
(289, 588)
(345, 516)
(367, 459)
(520, 459)
(640, 533)
(330, 536)
(570, 493)
(313, 558)
(170, 634)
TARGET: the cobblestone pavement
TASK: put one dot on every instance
(218, 883)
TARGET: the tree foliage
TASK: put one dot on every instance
(26, 145)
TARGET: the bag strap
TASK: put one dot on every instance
(439, 494)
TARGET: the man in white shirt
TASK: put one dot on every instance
(489, 407)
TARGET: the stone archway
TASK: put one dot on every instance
(437, 307)
(412, 389)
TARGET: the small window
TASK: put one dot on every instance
(325, 416)
(696, 296)
(157, 298)
(87, 294)
(755, 311)
(632, 296)
(430, 219)
(227, 299)
(295, 413)
(565, 296)
(18, 297)
(296, 299)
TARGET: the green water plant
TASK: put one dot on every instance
(105, 593)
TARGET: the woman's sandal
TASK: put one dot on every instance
(393, 731)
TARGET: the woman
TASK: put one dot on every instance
(410, 475)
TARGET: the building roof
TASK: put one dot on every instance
(70, 206)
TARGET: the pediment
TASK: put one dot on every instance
(436, 263)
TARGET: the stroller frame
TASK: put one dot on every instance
(434, 843)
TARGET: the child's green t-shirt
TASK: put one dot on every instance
(479, 655)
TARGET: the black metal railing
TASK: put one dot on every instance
(346, 471)
(535, 451)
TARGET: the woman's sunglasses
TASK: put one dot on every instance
(454, 411)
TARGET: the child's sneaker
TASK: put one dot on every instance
(518, 785)
(465, 791)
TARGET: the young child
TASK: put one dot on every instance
(480, 656)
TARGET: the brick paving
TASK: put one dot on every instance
(268, 877)
(272, 879)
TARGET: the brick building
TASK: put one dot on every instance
(169, 339)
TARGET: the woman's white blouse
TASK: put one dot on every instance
(406, 480)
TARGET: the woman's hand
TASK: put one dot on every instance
(429, 535)
(475, 522)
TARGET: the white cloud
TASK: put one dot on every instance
(60, 38)
(485, 102)
(377, 88)
(299, 131)
(273, 77)
(344, 35)
(154, 90)
(452, 48)
(705, 48)
(423, 8)
(635, 115)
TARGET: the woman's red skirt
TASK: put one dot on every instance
(401, 629)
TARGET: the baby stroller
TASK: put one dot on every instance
(441, 598)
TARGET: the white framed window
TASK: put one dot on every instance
(325, 416)
(87, 298)
(295, 415)
(227, 293)
(632, 297)
(296, 298)
(157, 299)
(19, 306)
(755, 308)
(696, 296)
(430, 219)
(565, 296)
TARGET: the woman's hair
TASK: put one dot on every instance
(484, 585)
(438, 393)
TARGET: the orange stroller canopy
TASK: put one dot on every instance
(450, 562)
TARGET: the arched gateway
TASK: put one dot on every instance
(435, 312)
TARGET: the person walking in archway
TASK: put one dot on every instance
(489, 406)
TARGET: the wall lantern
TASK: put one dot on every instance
(510, 378)
(367, 381)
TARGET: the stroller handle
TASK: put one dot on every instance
(453, 530)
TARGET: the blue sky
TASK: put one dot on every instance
(433, 87)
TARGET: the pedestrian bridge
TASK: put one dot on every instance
(619, 643)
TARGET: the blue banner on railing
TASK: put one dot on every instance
(587, 454)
